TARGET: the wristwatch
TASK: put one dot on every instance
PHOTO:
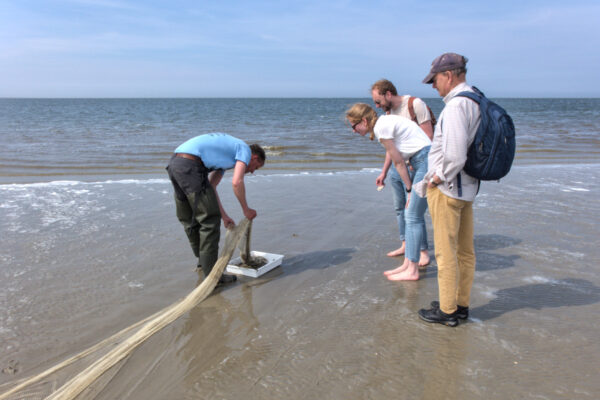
(408, 190)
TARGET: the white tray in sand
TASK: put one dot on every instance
(273, 260)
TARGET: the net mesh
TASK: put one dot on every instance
(85, 374)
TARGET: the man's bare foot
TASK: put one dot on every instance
(397, 270)
(398, 252)
(411, 273)
(424, 259)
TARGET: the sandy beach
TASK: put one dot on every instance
(326, 324)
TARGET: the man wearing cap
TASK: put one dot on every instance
(450, 191)
(195, 170)
(385, 96)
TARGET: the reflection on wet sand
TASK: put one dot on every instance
(209, 338)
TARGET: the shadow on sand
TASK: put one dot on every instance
(561, 293)
(301, 262)
(486, 261)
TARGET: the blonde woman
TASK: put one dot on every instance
(403, 141)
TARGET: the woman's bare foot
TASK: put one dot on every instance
(411, 273)
(398, 252)
(424, 259)
(397, 270)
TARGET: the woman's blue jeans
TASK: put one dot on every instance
(411, 221)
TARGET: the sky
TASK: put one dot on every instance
(289, 48)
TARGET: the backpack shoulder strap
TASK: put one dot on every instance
(476, 95)
(411, 109)
(413, 115)
(471, 95)
(432, 115)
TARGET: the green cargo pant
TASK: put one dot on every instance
(197, 209)
(201, 219)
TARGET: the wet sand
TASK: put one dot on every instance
(326, 324)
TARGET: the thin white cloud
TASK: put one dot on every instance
(120, 5)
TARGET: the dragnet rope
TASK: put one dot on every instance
(151, 325)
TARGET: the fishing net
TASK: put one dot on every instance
(103, 360)
(248, 260)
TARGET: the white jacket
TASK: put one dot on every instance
(453, 135)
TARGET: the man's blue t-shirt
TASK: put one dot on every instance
(217, 150)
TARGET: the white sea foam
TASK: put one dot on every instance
(313, 173)
(487, 292)
(291, 333)
(25, 208)
(260, 175)
(137, 181)
(539, 279)
(96, 184)
(592, 165)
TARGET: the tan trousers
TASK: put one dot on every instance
(454, 250)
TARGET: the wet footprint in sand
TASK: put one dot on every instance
(13, 368)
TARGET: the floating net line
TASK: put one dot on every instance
(113, 357)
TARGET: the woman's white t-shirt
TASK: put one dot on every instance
(407, 135)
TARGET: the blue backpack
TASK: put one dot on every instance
(491, 154)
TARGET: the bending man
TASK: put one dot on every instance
(195, 170)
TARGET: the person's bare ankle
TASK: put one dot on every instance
(398, 252)
(424, 259)
(411, 273)
(395, 270)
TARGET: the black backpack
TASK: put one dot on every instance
(491, 154)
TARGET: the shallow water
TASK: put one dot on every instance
(99, 139)
(82, 260)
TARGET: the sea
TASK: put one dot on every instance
(45, 140)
